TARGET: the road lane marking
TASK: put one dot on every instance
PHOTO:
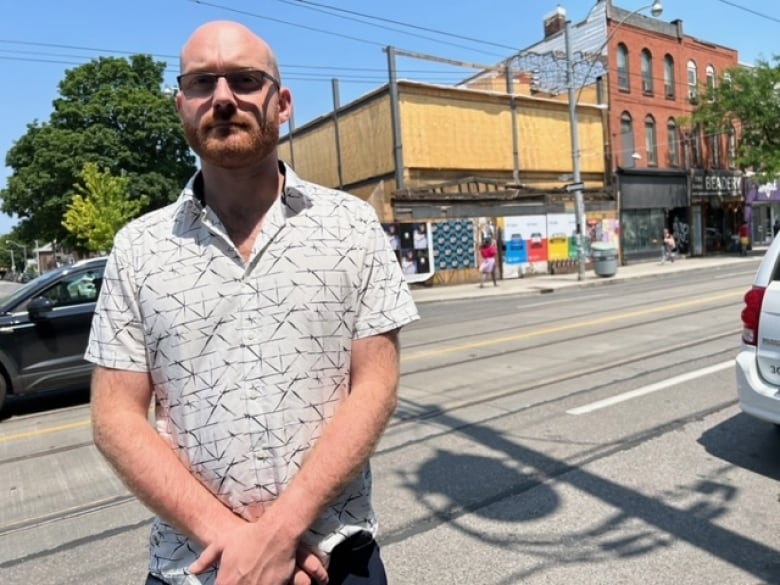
(568, 327)
(681, 379)
(45, 431)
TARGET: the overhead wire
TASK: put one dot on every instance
(749, 10)
(333, 10)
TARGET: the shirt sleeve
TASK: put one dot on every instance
(385, 302)
(116, 338)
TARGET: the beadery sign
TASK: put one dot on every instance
(713, 182)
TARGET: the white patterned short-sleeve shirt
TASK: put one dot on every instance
(249, 360)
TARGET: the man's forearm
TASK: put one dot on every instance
(346, 443)
(150, 468)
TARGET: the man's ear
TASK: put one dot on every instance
(285, 105)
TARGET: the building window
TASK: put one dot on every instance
(673, 143)
(651, 143)
(693, 93)
(710, 82)
(627, 140)
(732, 146)
(696, 146)
(713, 145)
(647, 72)
(669, 77)
(622, 67)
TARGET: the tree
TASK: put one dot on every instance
(110, 112)
(747, 102)
(99, 208)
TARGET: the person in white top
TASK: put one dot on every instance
(260, 313)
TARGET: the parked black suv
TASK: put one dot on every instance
(44, 328)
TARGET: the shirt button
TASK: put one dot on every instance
(251, 336)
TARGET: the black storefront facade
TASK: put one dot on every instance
(717, 210)
(650, 200)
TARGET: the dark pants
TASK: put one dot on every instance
(354, 562)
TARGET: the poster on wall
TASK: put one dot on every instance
(453, 244)
(525, 245)
(562, 241)
(602, 227)
(412, 244)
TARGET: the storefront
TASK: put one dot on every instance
(716, 210)
(649, 201)
(762, 211)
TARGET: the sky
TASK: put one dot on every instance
(316, 42)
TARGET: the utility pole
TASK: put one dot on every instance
(579, 204)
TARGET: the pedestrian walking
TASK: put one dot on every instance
(744, 238)
(668, 246)
(487, 267)
(260, 314)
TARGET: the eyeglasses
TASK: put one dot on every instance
(243, 82)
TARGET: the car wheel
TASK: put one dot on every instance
(3, 390)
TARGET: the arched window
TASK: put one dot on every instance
(627, 140)
(647, 72)
(692, 83)
(669, 77)
(673, 144)
(622, 67)
(651, 142)
(732, 147)
(710, 82)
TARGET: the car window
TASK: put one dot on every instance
(79, 287)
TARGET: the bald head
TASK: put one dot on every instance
(225, 45)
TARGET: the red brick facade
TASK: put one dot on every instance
(645, 101)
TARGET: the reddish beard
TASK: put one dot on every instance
(238, 145)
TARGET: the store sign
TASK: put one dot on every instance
(722, 183)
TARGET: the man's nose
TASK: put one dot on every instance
(222, 91)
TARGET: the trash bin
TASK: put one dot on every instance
(604, 258)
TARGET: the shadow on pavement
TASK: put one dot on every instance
(34, 404)
(746, 442)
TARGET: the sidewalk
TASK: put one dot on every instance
(547, 283)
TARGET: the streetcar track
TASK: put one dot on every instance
(531, 334)
(74, 512)
(435, 411)
(549, 323)
(45, 452)
(496, 308)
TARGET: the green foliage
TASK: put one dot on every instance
(99, 208)
(748, 100)
(110, 112)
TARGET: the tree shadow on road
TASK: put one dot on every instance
(462, 489)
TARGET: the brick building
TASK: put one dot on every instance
(651, 75)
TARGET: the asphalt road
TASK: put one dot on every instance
(588, 436)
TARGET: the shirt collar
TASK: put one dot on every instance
(295, 197)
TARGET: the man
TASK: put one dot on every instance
(261, 313)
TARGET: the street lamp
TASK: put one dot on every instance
(13, 262)
(579, 204)
(24, 253)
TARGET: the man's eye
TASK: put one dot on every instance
(246, 81)
(202, 81)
